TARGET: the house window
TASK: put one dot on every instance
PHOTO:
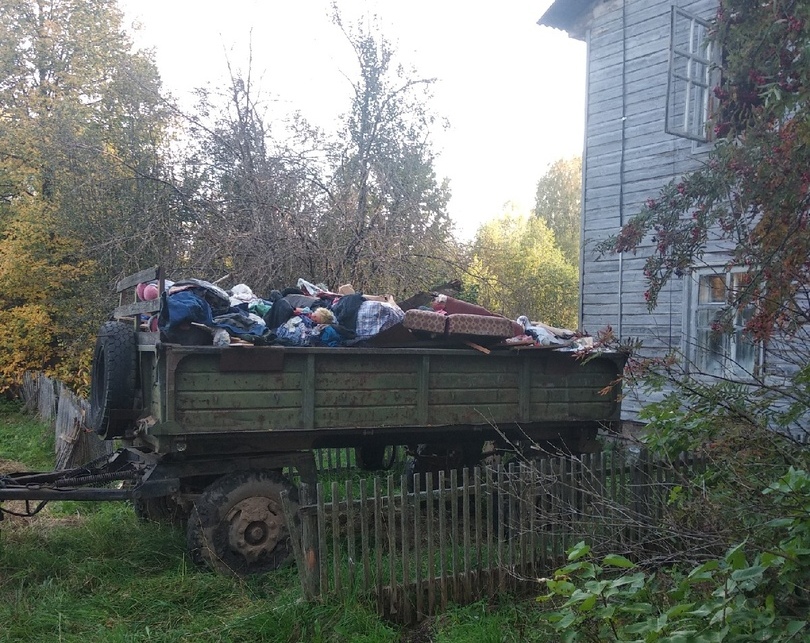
(692, 77)
(720, 346)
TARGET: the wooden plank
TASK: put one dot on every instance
(457, 380)
(137, 308)
(423, 391)
(372, 417)
(205, 380)
(454, 536)
(364, 552)
(378, 540)
(478, 396)
(243, 359)
(204, 421)
(290, 512)
(365, 398)
(479, 519)
(308, 394)
(502, 499)
(465, 517)
(311, 553)
(364, 382)
(405, 557)
(392, 547)
(442, 540)
(417, 546)
(431, 574)
(324, 572)
(336, 538)
(237, 400)
(491, 525)
(532, 570)
(147, 274)
(350, 549)
(542, 491)
(513, 523)
(523, 517)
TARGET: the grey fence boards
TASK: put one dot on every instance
(473, 533)
(54, 403)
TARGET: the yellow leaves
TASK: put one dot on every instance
(520, 270)
(25, 343)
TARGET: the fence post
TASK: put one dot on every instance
(309, 544)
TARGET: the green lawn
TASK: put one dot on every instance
(93, 572)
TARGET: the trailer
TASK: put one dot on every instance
(212, 436)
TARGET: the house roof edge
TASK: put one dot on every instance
(567, 16)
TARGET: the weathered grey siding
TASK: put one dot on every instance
(628, 158)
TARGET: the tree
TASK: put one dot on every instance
(519, 270)
(386, 226)
(83, 189)
(278, 201)
(558, 202)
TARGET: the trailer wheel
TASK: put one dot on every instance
(112, 386)
(375, 457)
(237, 525)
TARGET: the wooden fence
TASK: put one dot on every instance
(475, 533)
(52, 402)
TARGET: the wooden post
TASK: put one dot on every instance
(454, 530)
(364, 536)
(350, 532)
(336, 537)
(309, 543)
(431, 575)
(442, 540)
(465, 516)
(479, 503)
(378, 540)
(324, 572)
(417, 546)
(501, 529)
(406, 575)
(392, 546)
(490, 529)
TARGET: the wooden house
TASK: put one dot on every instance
(650, 76)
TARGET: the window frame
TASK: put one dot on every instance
(729, 359)
(704, 54)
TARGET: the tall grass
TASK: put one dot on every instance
(88, 572)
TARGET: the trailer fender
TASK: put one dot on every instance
(112, 383)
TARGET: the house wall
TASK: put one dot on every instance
(628, 157)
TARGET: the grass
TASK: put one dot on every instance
(87, 572)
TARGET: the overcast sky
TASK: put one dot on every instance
(512, 91)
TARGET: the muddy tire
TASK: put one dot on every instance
(112, 385)
(237, 526)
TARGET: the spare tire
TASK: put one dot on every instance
(112, 384)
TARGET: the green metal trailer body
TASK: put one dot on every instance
(290, 398)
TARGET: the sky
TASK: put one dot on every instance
(513, 92)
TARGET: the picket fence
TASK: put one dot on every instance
(475, 533)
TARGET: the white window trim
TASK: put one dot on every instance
(706, 56)
(690, 346)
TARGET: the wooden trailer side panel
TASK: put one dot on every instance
(236, 390)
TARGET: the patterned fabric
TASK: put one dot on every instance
(425, 320)
(376, 316)
(480, 325)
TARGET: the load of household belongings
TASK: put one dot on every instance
(199, 312)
